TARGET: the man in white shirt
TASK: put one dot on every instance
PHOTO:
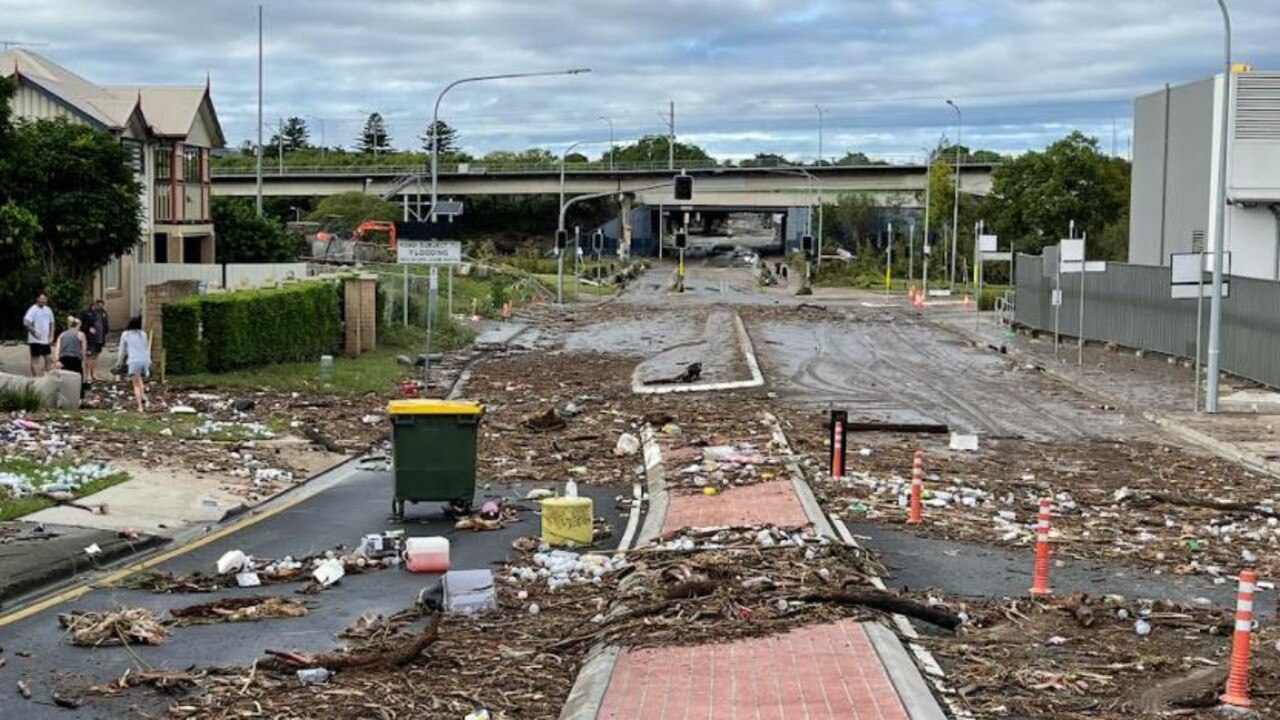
(39, 324)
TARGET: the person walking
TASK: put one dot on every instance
(135, 358)
(70, 350)
(785, 281)
(39, 324)
(95, 324)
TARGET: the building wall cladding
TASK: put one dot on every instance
(1130, 305)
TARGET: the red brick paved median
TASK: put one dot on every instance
(815, 672)
(768, 503)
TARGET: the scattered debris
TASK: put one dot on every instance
(239, 609)
(122, 626)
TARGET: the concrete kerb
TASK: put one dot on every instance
(589, 688)
(807, 499)
(744, 346)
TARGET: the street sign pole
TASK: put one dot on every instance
(1195, 408)
(911, 252)
(433, 289)
(560, 276)
(404, 296)
(888, 263)
(1084, 238)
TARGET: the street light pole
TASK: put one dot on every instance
(280, 146)
(821, 199)
(820, 113)
(1220, 227)
(955, 211)
(610, 122)
(324, 151)
(258, 154)
(435, 118)
(926, 249)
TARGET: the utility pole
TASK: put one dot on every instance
(928, 177)
(671, 145)
(955, 210)
(821, 111)
(280, 145)
(258, 154)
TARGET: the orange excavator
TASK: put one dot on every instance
(369, 226)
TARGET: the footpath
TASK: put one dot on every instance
(845, 668)
(1157, 388)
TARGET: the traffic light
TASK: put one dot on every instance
(684, 187)
(682, 239)
(562, 239)
(597, 240)
(806, 243)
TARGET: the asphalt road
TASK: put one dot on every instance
(360, 503)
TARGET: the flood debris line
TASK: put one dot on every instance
(1145, 504)
(236, 569)
(239, 609)
(122, 626)
(1106, 657)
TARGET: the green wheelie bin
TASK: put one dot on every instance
(434, 452)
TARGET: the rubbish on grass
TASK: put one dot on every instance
(182, 410)
(964, 442)
(232, 561)
(427, 554)
(469, 592)
(122, 626)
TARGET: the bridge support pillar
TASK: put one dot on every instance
(624, 242)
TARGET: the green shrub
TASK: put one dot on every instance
(295, 323)
(184, 352)
(14, 399)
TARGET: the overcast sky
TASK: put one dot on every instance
(744, 74)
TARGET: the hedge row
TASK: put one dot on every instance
(215, 333)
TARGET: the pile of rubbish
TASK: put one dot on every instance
(724, 466)
(237, 569)
(1142, 503)
(123, 626)
(53, 480)
(1105, 657)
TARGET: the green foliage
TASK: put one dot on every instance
(18, 228)
(851, 221)
(349, 209)
(374, 139)
(653, 149)
(184, 353)
(447, 137)
(249, 328)
(1035, 196)
(764, 160)
(297, 135)
(19, 399)
(243, 237)
(78, 184)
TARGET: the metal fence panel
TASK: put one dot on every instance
(1130, 305)
(253, 275)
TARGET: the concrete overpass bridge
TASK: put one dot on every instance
(773, 188)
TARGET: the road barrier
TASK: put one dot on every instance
(917, 488)
(839, 425)
(1040, 586)
(1237, 693)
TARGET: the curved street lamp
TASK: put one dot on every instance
(1220, 227)
(435, 117)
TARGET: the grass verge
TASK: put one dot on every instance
(12, 508)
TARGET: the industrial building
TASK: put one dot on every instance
(1177, 133)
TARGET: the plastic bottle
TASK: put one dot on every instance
(570, 489)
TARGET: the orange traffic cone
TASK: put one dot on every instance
(917, 488)
(1040, 586)
(1237, 693)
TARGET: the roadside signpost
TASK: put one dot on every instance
(1071, 260)
(1186, 280)
(432, 253)
(987, 252)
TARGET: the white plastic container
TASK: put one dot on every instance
(469, 592)
(427, 554)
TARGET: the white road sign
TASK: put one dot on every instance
(1072, 250)
(1190, 292)
(1075, 266)
(996, 256)
(417, 252)
(1056, 298)
(987, 243)
(1184, 270)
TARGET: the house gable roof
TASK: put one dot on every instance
(172, 111)
(87, 100)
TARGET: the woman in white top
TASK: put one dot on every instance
(135, 358)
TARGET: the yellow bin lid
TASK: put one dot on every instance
(427, 406)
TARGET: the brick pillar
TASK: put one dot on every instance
(360, 304)
(156, 297)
